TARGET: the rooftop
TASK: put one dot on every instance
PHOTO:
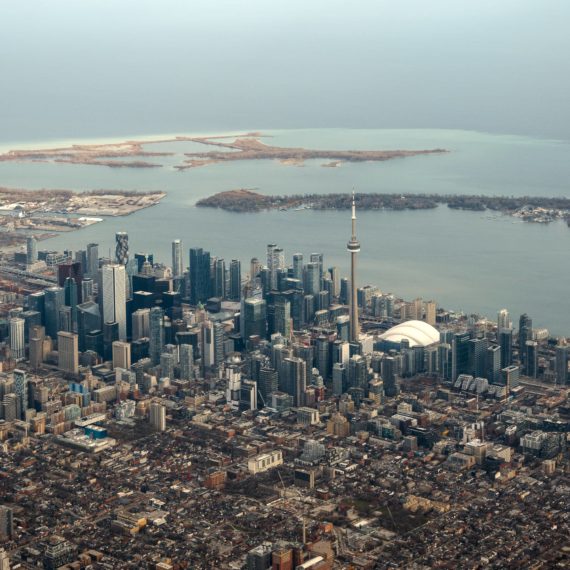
(418, 333)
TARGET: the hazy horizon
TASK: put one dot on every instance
(110, 68)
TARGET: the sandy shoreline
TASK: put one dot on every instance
(245, 146)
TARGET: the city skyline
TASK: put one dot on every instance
(202, 367)
(284, 347)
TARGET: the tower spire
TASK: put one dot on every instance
(353, 217)
(353, 247)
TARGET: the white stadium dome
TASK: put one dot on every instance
(417, 333)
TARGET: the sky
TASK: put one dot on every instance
(73, 68)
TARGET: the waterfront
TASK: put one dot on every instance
(464, 260)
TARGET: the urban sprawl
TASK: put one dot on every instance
(280, 416)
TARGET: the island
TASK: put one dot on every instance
(247, 146)
(528, 208)
(106, 154)
(251, 148)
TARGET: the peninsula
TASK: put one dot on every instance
(43, 212)
(21, 202)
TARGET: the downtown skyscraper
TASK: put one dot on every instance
(92, 260)
(275, 261)
(235, 280)
(200, 281)
(122, 247)
(114, 297)
(177, 264)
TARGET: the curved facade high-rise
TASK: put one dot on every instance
(122, 247)
(353, 248)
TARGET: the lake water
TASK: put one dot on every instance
(475, 262)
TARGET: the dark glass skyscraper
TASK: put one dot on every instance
(460, 359)
(344, 294)
(94, 341)
(156, 331)
(308, 308)
(296, 299)
(298, 266)
(389, 368)
(219, 278)
(506, 344)
(71, 296)
(444, 353)
(294, 372)
(70, 269)
(81, 257)
(525, 333)
(110, 335)
(494, 364)
(199, 276)
(92, 259)
(37, 302)
(54, 299)
(531, 358)
(282, 317)
(323, 359)
(334, 275)
(235, 280)
(478, 357)
(141, 258)
(255, 315)
(561, 364)
(88, 320)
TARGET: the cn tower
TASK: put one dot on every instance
(353, 247)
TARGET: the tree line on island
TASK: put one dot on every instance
(246, 200)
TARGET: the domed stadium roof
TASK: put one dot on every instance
(416, 332)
